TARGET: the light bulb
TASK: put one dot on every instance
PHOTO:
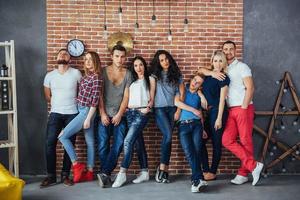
(282, 106)
(277, 131)
(186, 25)
(297, 152)
(120, 16)
(265, 175)
(153, 20)
(271, 153)
(105, 34)
(274, 147)
(278, 82)
(170, 35)
(136, 28)
(283, 169)
(295, 123)
(285, 90)
(293, 158)
(299, 130)
(282, 127)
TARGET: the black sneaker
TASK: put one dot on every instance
(66, 181)
(103, 180)
(165, 177)
(158, 175)
(48, 181)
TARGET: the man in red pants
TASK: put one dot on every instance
(241, 115)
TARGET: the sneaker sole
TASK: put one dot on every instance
(200, 189)
(137, 182)
(234, 183)
(52, 184)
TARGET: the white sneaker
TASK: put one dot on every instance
(143, 176)
(256, 172)
(120, 180)
(197, 186)
(239, 180)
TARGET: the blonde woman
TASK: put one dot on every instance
(215, 92)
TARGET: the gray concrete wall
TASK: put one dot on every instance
(25, 22)
(271, 47)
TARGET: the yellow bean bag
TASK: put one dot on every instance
(10, 187)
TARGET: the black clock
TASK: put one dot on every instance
(75, 47)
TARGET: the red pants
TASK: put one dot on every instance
(240, 123)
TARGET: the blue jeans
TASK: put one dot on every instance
(136, 122)
(190, 135)
(72, 128)
(164, 117)
(56, 122)
(109, 156)
(216, 138)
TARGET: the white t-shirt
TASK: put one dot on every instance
(63, 90)
(236, 72)
(139, 95)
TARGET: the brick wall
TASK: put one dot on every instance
(210, 23)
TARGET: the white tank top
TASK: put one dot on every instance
(139, 95)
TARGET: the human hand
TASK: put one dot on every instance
(116, 119)
(105, 119)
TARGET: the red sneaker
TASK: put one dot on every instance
(78, 169)
(87, 176)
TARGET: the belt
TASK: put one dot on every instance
(188, 121)
(137, 108)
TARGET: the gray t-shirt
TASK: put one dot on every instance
(63, 90)
(165, 91)
(113, 94)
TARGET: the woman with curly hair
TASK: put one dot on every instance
(169, 83)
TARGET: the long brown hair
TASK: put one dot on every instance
(96, 62)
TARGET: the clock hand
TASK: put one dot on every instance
(74, 45)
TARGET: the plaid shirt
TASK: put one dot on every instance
(89, 90)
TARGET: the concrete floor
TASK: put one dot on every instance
(270, 188)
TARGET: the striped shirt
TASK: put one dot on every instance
(89, 90)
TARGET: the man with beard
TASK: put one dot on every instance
(60, 89)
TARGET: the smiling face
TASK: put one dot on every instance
(63, 57)
(218, 63)
(230, 52)
(164, 62)
(139, 67)
(118, 58)
(88, 62)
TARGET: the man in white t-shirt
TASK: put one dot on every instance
(241, 116)
(60, 88)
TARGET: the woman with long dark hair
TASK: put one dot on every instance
(141, 98)
(169, 82)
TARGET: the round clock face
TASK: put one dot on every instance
(75, 47)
